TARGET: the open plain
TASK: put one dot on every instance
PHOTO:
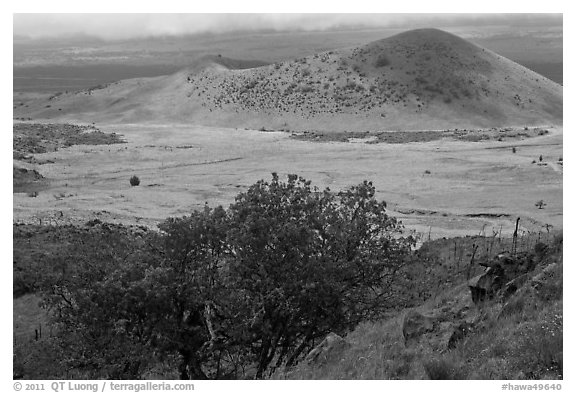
(443, 187)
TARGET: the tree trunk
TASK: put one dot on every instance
(263, 357)
(190, 367)
(294, 356)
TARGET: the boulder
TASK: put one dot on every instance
(513, 285)
(331, 345)
(505, 272)
(459, 331)
(483, 286)
(416, 324)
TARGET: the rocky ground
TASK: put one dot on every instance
(513, 331)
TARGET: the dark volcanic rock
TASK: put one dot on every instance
(415, 325)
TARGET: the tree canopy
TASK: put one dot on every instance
(237, 292)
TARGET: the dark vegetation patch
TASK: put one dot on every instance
(36, 246)
(36, 138)
(27, 180)
(422, 136)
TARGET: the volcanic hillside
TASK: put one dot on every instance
(421, 79)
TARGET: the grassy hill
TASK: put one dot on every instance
(518, 334)
(421, 79)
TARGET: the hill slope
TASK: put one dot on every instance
(421, 79)
(517, 334)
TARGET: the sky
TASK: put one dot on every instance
(125, 26)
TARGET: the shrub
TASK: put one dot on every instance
(255, 285)
(134, 181)
(323, 261)
(382, 61)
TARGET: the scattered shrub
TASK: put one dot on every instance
(382, 61)
(134, 181)
(540, 204)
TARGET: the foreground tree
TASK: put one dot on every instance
(231, 293)
(310, 262)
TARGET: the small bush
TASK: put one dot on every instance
(540, 204)
(382, 61)
(134, 181)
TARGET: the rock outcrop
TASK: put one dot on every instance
(416, 324)
(504, 273)
(330, 346)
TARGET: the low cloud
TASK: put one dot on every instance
(124, 26)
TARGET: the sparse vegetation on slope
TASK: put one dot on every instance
(412, 81)
(516, 335)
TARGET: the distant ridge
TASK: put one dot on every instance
(420, 79)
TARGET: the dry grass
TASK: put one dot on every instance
(524, 344)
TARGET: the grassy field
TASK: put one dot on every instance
(438, 188)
